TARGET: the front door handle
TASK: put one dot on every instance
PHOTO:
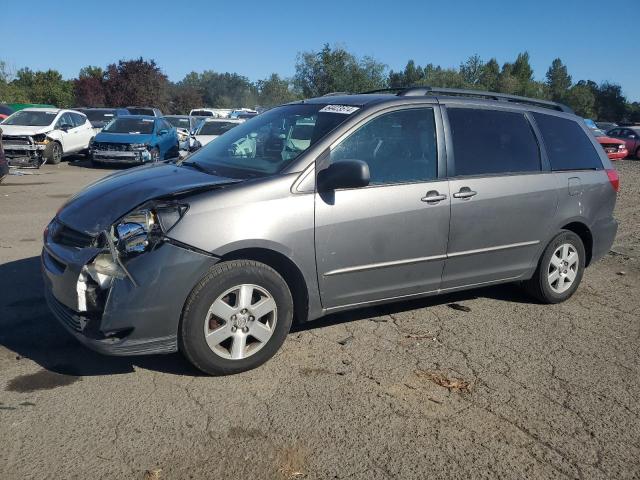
(433, 196)
(465, 193)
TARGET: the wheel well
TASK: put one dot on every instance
(584, 233)
(287, 270)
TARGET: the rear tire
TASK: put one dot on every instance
(560, 269)
(53, 153)
(638, 153)
(241, 301)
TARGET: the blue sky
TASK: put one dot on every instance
(255, 38)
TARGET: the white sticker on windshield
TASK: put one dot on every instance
(108, 114)
(344, 109)
(148, 120)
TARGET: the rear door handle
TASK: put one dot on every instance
(465, 193)
(433, 196)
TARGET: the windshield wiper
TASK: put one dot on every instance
(198, 167)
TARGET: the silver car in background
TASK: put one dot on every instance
(326, 205)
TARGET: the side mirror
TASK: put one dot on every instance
(344, 174)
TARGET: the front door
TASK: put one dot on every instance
(502, 202)
(389, 239)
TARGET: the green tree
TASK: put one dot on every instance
(582, 100)
(490, 75)
(275, 90)
(335, 69)
(45, 87)
(471, 71)
(558, 80)
(611, 105)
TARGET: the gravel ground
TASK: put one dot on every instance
(478, 384)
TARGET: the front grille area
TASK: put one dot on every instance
(69, 237)
(610, 147)
(113, 147)
(16, 140)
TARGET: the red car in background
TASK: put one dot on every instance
(5, 111)
(630, 136)
(615, 149)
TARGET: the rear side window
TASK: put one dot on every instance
(492, 142)
(568, 146)
(78, 119)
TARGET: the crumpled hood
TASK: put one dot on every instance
(123, 137)
(19, 130)
(99, 205)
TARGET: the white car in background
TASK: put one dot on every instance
(214, 127)
(34, 136)
(211, 112)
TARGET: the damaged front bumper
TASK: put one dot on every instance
(23, 151)
(131, 311)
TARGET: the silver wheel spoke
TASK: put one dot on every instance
(260, 332)
(244, 296)
(218, 336)
(263, 307)
(242, 334)
(238, 345)
(564, 264)
(222, 309)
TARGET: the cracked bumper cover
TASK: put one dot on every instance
(135, 320)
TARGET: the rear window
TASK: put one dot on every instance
(568, 147)
(141, 111)
(201, 113)
(492, 142)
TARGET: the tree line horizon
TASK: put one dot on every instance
(332, 69)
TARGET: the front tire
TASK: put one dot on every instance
(155, 155)
(560, 269)
(236, 318)
(53, 153)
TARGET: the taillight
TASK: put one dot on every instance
(614, 179)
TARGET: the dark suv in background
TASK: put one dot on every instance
(325, 205)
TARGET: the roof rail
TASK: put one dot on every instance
(501, 97)
(335, 94)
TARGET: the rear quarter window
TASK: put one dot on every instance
(568, 146)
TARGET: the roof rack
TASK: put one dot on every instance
(335, 94)
(500, 97)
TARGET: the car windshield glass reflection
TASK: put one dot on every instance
(130, 125)
(26, 118)
(268, 143)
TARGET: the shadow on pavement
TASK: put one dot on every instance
(31, 331)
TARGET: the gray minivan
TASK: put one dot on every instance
(324, 205)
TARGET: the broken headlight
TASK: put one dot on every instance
(41, 139)
(142, 229)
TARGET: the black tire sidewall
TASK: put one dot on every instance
(221, 278)
(49, 153)
(564, 237)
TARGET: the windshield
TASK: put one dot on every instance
(201, 113)
(141, 111)
(100, 117)
(179, 122)
(130, 125)
(268, 143)
(216, 128)
(31, 118)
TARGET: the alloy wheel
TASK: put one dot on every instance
(563, 268)
(240, 321)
